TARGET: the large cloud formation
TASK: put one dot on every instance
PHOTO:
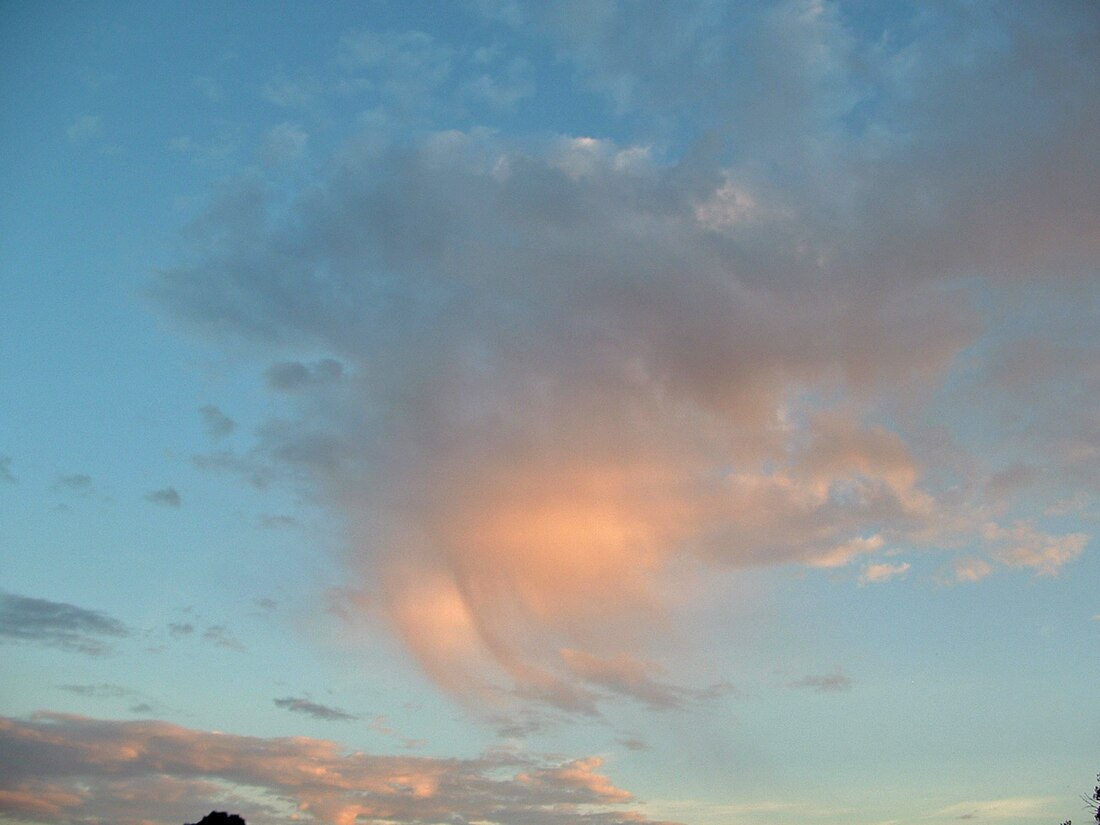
(540, 377)
(60, 768)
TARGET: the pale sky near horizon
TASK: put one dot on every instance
(552, 412)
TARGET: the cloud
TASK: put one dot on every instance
(57, 624)
(1016, 807)
(178, 629)
(78, 483)
(575, 372)
(875, 573)
(85, 128)
(217, 423)
(826, 683)
(167, 497)
(284, 143)
(971, 569)
(60, 768)
(627, 676)
(289, 376)
(5, 470)
(100, 691)
(1022, 545)
(315, 710)
(220, 636)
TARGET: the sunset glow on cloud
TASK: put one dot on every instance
(471, 410)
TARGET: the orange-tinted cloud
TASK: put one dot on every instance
(60, 768)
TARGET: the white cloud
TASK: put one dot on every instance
(877, 573)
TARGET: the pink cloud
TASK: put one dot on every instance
(59, 768)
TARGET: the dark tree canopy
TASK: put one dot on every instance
(219, 818)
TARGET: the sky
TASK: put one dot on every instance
(504, 413)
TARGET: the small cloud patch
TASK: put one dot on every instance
(317, 711)
(167, 497)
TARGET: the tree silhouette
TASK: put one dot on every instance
(1093, 802)
(219, 818)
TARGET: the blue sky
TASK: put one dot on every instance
(539, 413)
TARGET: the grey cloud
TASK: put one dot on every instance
(179, 629)
(826, 683)
(5, 470)
(288, 376)
(220, 636)
(317, 711)
(100, 691)
(217, 423)
(167, 497)
(63, 768)
(254, 470)
(79, 483)
(57, 624)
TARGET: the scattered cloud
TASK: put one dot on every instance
(167, 497)
(220, 636)
(57, 624)
(85, 128)
(317, 711)
(284, 143)
(217, 424)
(77, 483)
(100, 691)
(5, 470)
(969, 569)
(1022, 545)
(884, 572)
(180, 629)
(827, 683)
(60, 768)
(289, 376)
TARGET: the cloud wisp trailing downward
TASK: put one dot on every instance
(542, 378)
(61, 768)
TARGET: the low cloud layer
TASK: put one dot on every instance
(60, 768)
(546, 381)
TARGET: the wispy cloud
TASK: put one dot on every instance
(78, 483)
(5, 470)
(221, 636)
(825, 683)
(57, 624)
(317, 711)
